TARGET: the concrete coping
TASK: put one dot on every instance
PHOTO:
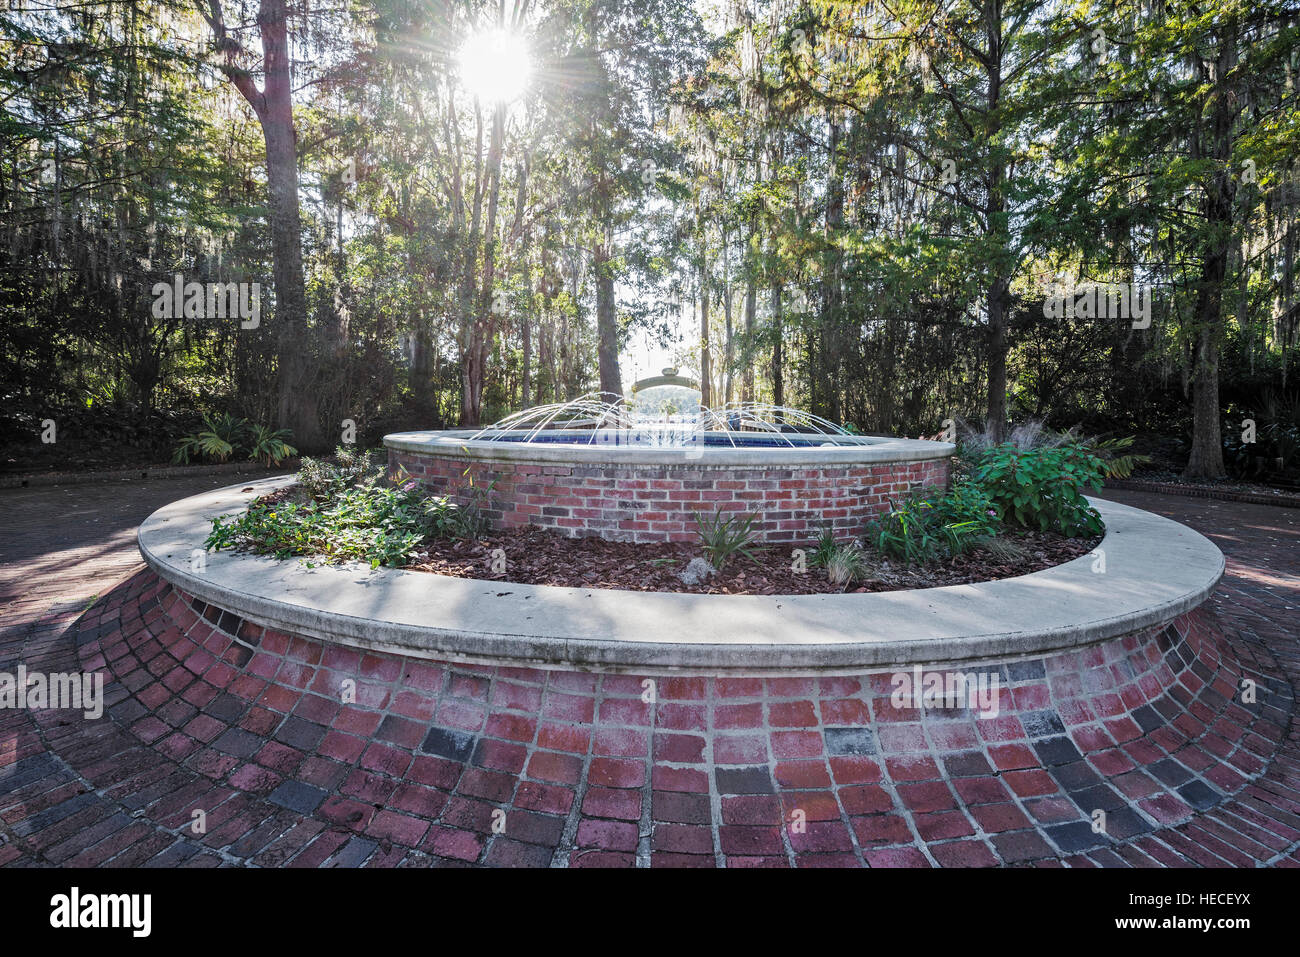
(855, 450)
(1154, 570)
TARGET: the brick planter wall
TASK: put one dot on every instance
(411, 767)
(646, 503)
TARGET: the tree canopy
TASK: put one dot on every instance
(887, 213)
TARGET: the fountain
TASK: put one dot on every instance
(640, 468)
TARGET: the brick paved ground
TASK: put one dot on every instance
(429, 758)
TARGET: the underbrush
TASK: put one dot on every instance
(346, 511)
(1008, 487)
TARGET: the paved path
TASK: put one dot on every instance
(281, 790)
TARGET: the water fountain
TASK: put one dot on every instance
(640, 468)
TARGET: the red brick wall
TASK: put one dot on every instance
(643, 504)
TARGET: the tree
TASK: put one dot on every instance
(273, 106)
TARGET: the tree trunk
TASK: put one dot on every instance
(996, 423)
(526, 332)
(728, 360)
(611, 382)
(747, 349)
(273, 105)
(421, 368)
(1206, 458)
(831, 356)
(996, 301)
(778, 336)
(706, 364)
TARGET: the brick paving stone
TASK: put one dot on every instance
(437, 764)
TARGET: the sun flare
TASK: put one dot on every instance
(495, 66)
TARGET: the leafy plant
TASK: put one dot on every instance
(350, 468)
(846, 564)
(217, 441)
(922, 528)
(381, 526)
(724, 537)
(826, 545)
(450, 519)
(1043, 486)
(270, 447)
(338, 511)
(907, 531)
(1119, 464)
(472, 520)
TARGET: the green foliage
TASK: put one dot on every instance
(826, 545)
(343, 514)
(269, 447)
(846, 564)
(907, 531)
(1042, 487)
(925, 527)
(226, 434)
(381, 526)
(1118, 462)
(217, 441)
(722, 537)
(351, 468)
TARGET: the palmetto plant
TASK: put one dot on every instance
(216, 441)
(270, 447)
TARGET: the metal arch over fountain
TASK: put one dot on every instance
(602, 418)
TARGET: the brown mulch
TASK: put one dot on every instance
(535, 556)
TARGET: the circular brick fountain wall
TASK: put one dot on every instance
(644, 493)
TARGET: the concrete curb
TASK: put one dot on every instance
(1155, 570)
(863, 450)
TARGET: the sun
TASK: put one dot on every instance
(495, 66)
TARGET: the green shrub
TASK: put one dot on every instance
(342, 514)
(223, 436)
(269, 447)
(351, 468)
(217, 441)
(725, 537)
(907, 531)
(381, 526)
(926, 527)
(1042, 487)
(1118, 461)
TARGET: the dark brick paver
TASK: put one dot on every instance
(209, 720)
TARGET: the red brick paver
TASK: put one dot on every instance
(295, 753)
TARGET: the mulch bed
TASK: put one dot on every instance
(535, 556)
